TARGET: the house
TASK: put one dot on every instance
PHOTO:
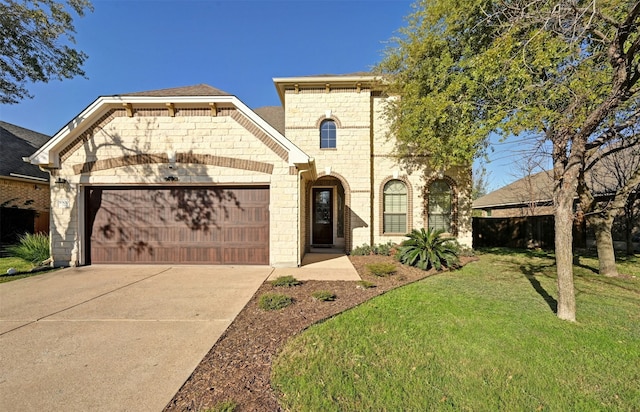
(24, 188)
(193, 175)
(530, 199)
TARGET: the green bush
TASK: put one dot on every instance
(382, 269)
(426, 249)
(384, 249)
(286, 281)
(324, 295)
(364, 250)
(363, 284)
(274, 301)
(33, 248)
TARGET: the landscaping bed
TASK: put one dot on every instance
(237, 368)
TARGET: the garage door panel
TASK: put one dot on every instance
(178, 225)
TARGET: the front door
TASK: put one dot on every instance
(323, 216)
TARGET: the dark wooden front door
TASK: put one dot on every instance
(322, 216)
(207, 225)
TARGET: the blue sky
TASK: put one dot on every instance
(238, 46)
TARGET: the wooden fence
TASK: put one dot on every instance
(524, 232)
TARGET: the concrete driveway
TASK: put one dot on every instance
(113, 338)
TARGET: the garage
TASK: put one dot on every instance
(177, 225)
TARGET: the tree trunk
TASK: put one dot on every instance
(602, 226)
(564, 254)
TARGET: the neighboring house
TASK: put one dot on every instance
(530, 196)
(533, 196)
(192, 175)
(24, 188)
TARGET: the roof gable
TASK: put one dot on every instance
(167, 99)
(195, 90)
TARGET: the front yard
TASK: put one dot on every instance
(482, 338)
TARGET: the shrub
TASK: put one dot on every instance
(382, 269)
(226, 406)
(426, 249)
(384, 249)
(364, 250)
(274, 301)
(324, 295)
(286, 281)
(32, 248)
(363, 284)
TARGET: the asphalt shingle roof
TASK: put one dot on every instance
(195, 90)
(17, 142)
(274, 115)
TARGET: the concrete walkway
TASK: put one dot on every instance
(113, 338)
(321, 266)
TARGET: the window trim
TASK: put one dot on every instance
(328, 139)
(409, 208)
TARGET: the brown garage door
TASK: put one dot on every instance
(212, 225)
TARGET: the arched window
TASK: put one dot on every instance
(395, 207)
(328, 134)
(440, 197)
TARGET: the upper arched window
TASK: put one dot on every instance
(440, 200)
(328, 132)
(395, 207)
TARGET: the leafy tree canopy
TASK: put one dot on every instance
(469, 68)
(35, 43)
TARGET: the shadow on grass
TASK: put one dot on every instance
(530, 272)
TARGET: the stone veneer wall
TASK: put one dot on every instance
(201, 137)
(350, 109)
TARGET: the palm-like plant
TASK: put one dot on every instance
(428, 248)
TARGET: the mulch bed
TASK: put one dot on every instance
(238, 366)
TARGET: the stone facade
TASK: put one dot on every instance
(208, 138)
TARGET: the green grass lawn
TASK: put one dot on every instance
(20, 265)
(484, 338)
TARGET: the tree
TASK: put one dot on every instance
(556, 71)
(615, 171)
(33, 47)
(480, 182)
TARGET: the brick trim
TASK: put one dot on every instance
(241, 119)
(192, 158)
(244, 121)
(84, 137)
(318, 127)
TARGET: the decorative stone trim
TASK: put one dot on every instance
(454, 202)
(404, 180)
(211, 160)
(76, 143)
(262, 136)
(326, 118)
(323, 118)
(234, 163)
(323, 90)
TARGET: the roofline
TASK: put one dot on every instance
(322, 81)
(41, 156)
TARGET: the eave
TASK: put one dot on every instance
(327, 82)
